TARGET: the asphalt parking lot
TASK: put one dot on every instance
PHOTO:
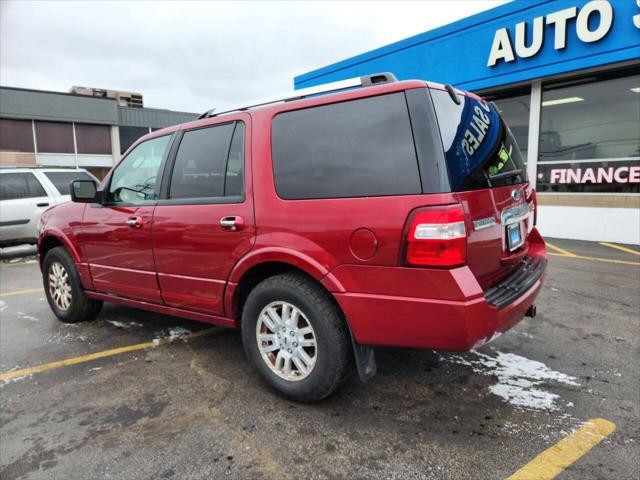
(148, 396)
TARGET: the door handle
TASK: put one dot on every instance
(134, 222)
(43, 204)
(231, 224)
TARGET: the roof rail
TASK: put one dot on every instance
(364, 81)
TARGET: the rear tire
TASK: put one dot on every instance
(306, 351)
(64, 290)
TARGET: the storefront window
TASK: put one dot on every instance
(515, 112)
(54, 137)
(128, 135)
(16, 135)
(93, 139)
(590, 135)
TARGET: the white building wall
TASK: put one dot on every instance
(619, 225)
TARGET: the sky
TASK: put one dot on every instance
(192, 56)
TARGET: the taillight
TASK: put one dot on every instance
(437, 237)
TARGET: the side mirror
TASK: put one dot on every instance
(83, 191)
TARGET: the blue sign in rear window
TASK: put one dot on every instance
(479, 149)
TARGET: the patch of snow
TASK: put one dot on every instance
(172, 335)
(125, 325)
(178, 332)
(64, 337)
(3, 306)
(30, 318)
(519, 379)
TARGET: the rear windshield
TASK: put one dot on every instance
(62, 180)
(480, 150)
(357, 148)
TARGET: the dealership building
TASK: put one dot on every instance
(566, 77)
(88, 128)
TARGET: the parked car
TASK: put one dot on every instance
(25, 193)
(321, 224)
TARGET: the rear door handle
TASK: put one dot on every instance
(43, 204)
(231, 224)
(134, 222)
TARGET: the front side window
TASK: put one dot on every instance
(480, 150)
(357, 148)
(14, 186)
(134, 179)
(209, 163)
(62, 180)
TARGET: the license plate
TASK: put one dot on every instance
(514, 236)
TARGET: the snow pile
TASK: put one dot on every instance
(124, 325)
(175, 333)
(178, 332)
(519, 379)
(24, 316)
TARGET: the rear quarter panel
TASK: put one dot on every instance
(321, 229)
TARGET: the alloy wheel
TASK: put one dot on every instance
(286, 340)
(59, 286)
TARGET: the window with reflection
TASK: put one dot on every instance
(590, 119)
(590, 135)
(514, 110)
(134, 179)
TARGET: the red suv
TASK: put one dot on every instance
(361, 213)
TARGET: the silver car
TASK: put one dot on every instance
(27, 192)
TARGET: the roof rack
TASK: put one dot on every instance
(365, 81)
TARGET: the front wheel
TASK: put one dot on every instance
(295, 335)
(63, 288)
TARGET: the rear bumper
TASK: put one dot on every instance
(443, 324)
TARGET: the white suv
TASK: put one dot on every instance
(27, 192)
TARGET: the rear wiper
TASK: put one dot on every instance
(512, 173)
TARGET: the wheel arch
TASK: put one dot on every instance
(51, 239)
(261, 264)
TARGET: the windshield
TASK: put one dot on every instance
(480, 150)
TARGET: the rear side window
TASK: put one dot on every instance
(14, 186)
(480, 150)
(358, 148)
(62, 180)
(209, 163)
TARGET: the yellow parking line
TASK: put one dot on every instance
(21, 292)
(556, 459)
(595, 259)
(95, 356)
(564, 252)
(618, 247)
